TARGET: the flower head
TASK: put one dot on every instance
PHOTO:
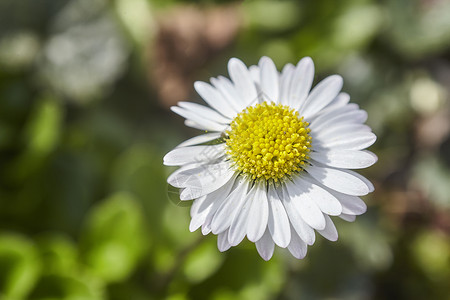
(275, 162)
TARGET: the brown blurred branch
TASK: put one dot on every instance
(187, 39)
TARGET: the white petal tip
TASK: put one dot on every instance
(264, 60)
(347, 217)
(362, 192)
(224, 249)
(168, 160)
(374, 157)
(188, 194)
(320, 226)
(298, 252)
(265, 251)
(310, 241)
(234, 243)
(198, 84)
(337, 79)
(235, 60)
(253, 238)
(171, 181)
(266, 256)
(284, 244)
(193, 227)
(302, 256)
(306, 60)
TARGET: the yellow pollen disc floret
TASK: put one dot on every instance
(268, 141)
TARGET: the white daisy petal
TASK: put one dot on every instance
(297, 246)
(285, 83)
(346, 159)
(325, 200)
(200, 139)
(198, 119)
(349, 113)
(192, 124)
(205, 112)
(358, 116)
(258, 215)
(265, 246)
(181, 178)
(329, 232)
(330, 133)
(358, 141)
(173, 180)
(222, 241)
(228, 91)
(287, 72)
(202, 180)
(301, 83)
(203, 188)
(232, 204)
(206, 227)
(348, 218)
(219, 197)
(242, 81)
(194, 154)
(364, 179)
(255, 73)
(305, 232)
(197, 206)
(214, 99)
(278, 220)
(321, 95)
(351, 205)
(339, 180)
(205, 207)
(340, 100)
(198, 216)
(327, 116)
(269, 79)
(339, 131)
(238, 227)
(350, 116)
(302, 194)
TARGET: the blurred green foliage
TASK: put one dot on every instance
(85, 211)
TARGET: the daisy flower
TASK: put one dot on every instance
(274, 163)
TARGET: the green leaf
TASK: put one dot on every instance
(58, 253)
(203, 262)
(41, 136)
(114, 238)
(44, 128)
(273, 15)
(139, 171)
(19, 266)
(347, 35)
(68, 287)
(432, 252)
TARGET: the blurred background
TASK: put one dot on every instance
(85, 91)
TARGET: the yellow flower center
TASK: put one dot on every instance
(268, 141)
